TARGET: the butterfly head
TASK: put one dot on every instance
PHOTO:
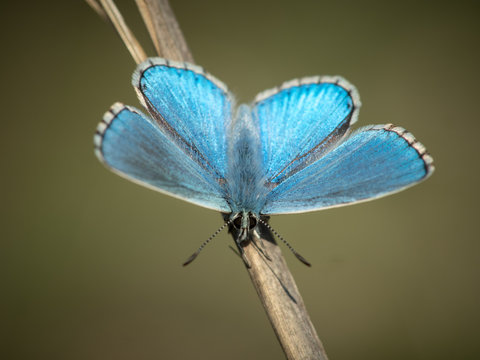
(244, 223)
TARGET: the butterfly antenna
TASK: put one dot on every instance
(297, 255)
(195, 254)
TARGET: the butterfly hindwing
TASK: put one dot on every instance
(301, 120)
(374, 161)
(137, 148)
(195, 107)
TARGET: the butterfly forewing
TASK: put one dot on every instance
(374, 161)
(137, 148)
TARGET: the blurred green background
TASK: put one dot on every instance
(90, 263)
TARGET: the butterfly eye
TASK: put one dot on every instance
(237, 222)
(252, 222)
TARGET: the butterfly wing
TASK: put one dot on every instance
(301, 120)
(194, 107)
(374, 161)
(139, 149)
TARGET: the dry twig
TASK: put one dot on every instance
(164, 30)
(108, 10)
(271, 278)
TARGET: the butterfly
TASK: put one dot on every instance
(290, 151)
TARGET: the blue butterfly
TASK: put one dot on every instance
(290, 151)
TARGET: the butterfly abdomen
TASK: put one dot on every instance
(245, 173)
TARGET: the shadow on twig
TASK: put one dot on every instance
(265, 235)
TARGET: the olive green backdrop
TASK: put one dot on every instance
(90, 263)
